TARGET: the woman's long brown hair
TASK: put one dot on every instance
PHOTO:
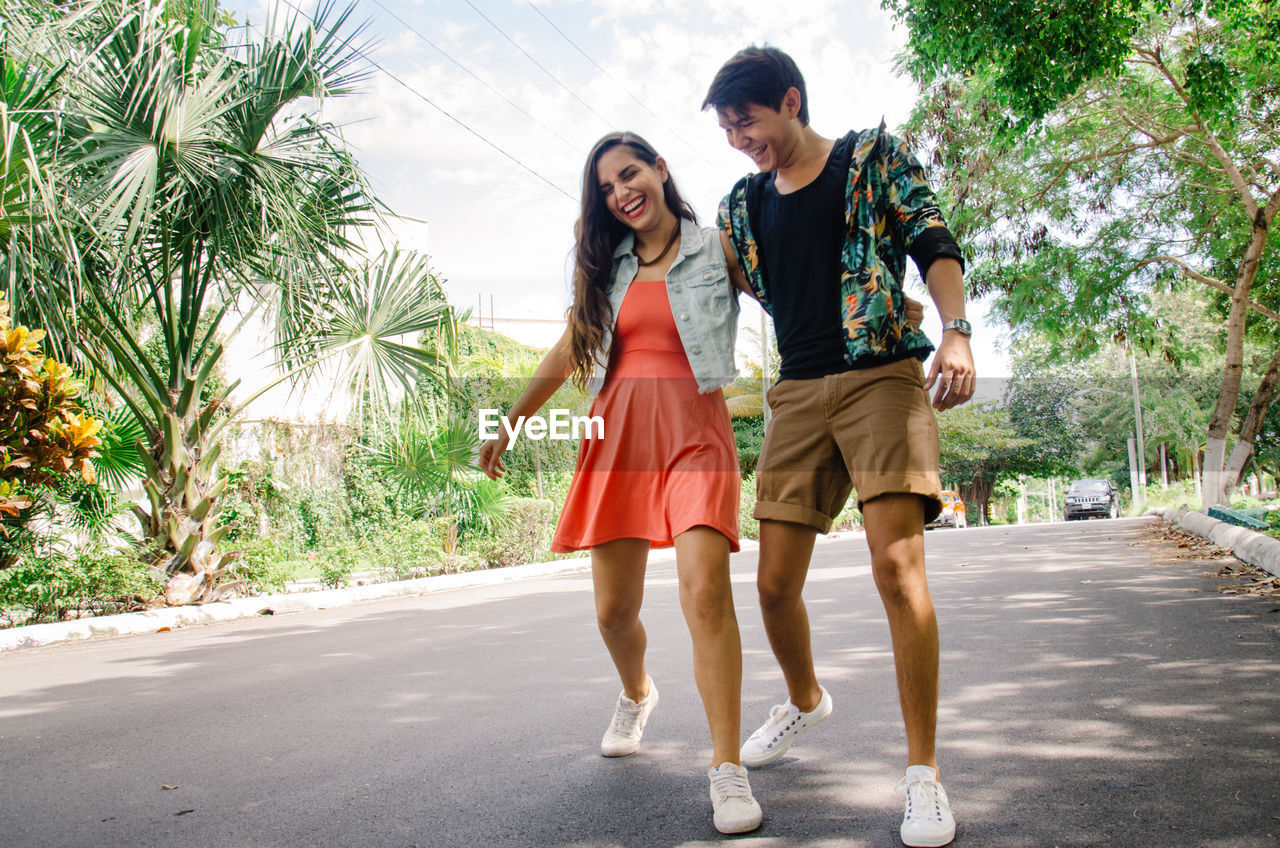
(598, 234)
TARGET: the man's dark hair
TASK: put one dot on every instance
(760, 76)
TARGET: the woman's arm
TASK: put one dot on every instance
(554, 369)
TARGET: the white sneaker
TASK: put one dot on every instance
(927, 821)
(734, 808)
(785, 723)
(622, 739)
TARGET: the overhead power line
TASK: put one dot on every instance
(462, 124)
(543, 68)
(446, 113)
(615, 81)
(471, 74)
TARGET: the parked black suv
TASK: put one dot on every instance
(1092, 499)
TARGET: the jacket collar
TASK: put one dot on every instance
(690, 240)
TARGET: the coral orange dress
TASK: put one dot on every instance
(668, 460)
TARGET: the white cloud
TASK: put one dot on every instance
(497, 228)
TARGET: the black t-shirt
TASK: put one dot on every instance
(805, 284)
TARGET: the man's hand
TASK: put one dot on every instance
(490, 459)
(952, 371)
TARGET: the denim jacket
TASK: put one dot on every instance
(703, 303)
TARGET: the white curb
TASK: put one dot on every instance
(1257, 549)
(38, 635)
(125, 624)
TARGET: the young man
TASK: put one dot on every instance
(822, 233)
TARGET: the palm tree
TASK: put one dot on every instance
(202, 185)
(435, 466)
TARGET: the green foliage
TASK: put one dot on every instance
(44, 433)
(261, 565)
(494, 371)
(434, 469)
(1036, 57)
(1273, 523)
(56, 585)
(338, 561)
(1120, 183)
(476, 344)
(850, 516)
(1267, 445)
(524, 535)
(748, 433)
(119, 461)
(972, 434)
(748, 526)
(194, 180)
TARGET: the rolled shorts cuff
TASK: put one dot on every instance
(796, 514)
(924, 484)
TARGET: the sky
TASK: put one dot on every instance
(477, 116)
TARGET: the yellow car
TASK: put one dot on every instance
(953, 512)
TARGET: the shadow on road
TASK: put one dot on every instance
(1090, 697)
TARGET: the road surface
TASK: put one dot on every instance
(1095, 692)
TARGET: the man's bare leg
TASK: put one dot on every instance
(895, 534)
(785, 549)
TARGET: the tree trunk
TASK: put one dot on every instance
(182, 491)
(978, 493)
(1239, 459)
(1195, 468)
(1212, 490)
(1215, 481)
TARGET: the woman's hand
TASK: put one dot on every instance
(490, 459)
(915, 312)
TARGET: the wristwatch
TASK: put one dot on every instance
(960, 325)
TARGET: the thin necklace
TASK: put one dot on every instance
(675, 234)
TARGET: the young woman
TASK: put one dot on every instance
(651, 332)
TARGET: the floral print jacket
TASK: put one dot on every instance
(890, 213)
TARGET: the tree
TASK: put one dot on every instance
(196, 179)
(436, 467)
(977, 441)
(1103, 147)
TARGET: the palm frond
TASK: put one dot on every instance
(119, 463)
(374, 321)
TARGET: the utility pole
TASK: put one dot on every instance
(1133, 474)
(1139, 494)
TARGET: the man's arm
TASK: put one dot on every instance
(918, 217)
(952, 368)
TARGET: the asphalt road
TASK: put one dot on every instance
(1094, 693)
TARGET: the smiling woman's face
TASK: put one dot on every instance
(633, 189)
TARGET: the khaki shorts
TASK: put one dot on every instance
(869, 429)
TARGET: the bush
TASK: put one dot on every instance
(850, 517)
(57, 586)
(523, 536)
(748, 433)
(409, 548)
(339, 559)
(262, 565)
